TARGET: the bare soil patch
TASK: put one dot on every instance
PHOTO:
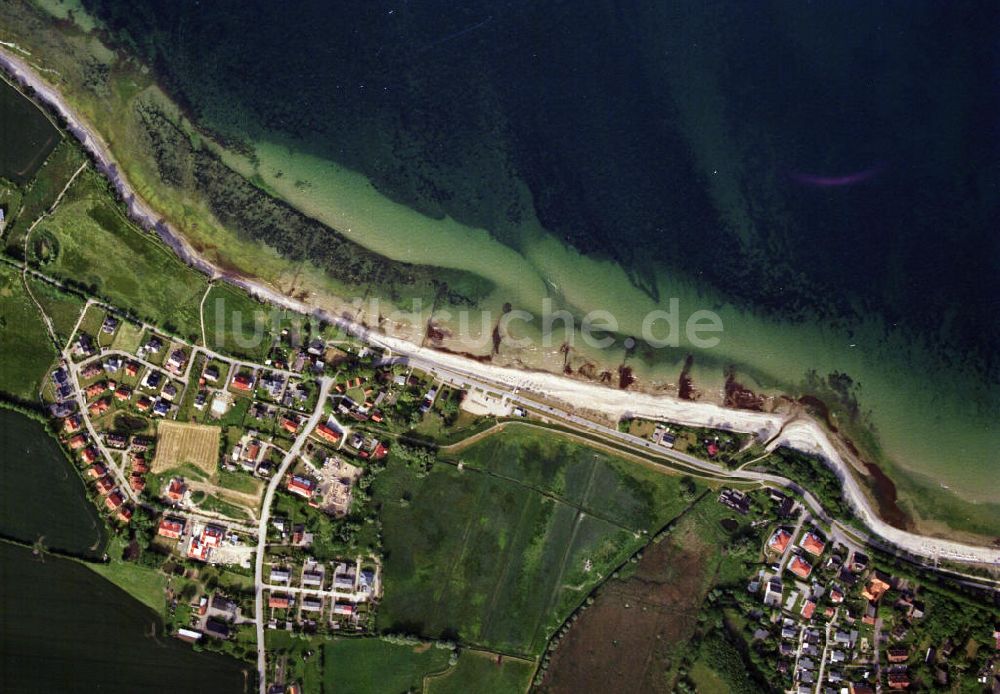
(624, 641)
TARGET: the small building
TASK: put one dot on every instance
(172, 528)
(328, 434)
(312, 604)
(77, 442)
(779, 541)
(243, 382)
(813, 544)
(97, 471)
(312, 578)
(217, 628)
(800, 567)
(189, 635)
(114, 500)
(736, 500)
(109, 325)
(176, 361)
(197, 549)
(212, 535)
(279, 575)
(877, 586)
(302, 486)
(105, 485)
(71, 425)
(280, 602)
(176, 489)
(808, 608)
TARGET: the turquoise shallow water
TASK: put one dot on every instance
(822, 177)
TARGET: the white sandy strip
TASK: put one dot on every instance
(807, 436)
(802, 435)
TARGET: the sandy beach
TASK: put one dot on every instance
(800, 433)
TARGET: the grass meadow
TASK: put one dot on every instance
(497, 553)
(480, 671)
(102, 252)
(24, 342)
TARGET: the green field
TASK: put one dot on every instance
(478, 671)
(374, 666)
(238, 482)
(237, 324)
(214, 504)
(498, 553)
(24, 342)
(102, 252)
(128, 338)
(41, 193)
(146, 585)
(27, 137)
(62, 308)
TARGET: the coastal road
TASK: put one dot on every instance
(326, 384)
(808, 436)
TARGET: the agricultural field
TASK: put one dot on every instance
(179, 443)
(613, 645)
(27, 138)
(24, 342)
(499, 552)
(98, 249)
(479, 671)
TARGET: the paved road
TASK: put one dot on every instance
(494, 378)
(326, 384)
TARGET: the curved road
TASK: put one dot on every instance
(808, 437)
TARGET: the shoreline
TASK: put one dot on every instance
(805, 435)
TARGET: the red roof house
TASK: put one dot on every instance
(212, 535)
(779, 541)
(303, 486)
(800, 567)
(171, 527)
(812, 544)
(243, 382)
(278, 601)
(807, 609)
(327, 434)
(114, 500)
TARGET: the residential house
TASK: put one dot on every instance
(302, 486)
(779, 541)
(114, 500)
(172, 528)
(96, 471)
(800, 567)
(813, 544)
(327, 434)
